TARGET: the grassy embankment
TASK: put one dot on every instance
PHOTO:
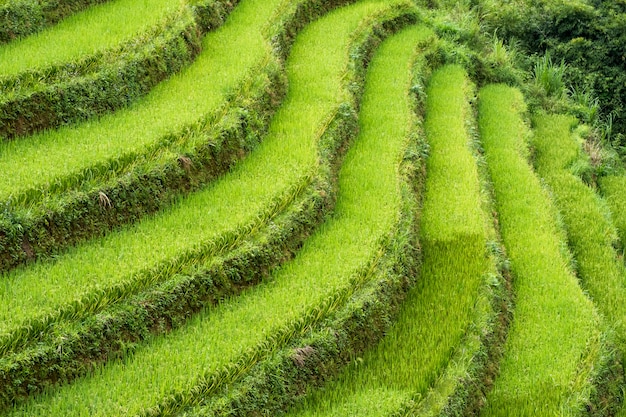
(206, 268)
(232, 336)
(20, 18)
(53, 79)
(64, 158)
(554, 343)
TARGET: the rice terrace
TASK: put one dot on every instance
(312, 208)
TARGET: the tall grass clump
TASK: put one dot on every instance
(220, 344)
(434, 324)
(549, 76)
(590, 233)
(554, 342)
(98, 28)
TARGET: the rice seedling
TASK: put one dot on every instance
(554, 342)
(437, 313)
(222, 343)
(94, 30)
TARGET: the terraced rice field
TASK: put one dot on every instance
(308, 208)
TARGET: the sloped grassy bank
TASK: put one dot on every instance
(63, 81)
(91, 86)
(22, 17)
(193, 278)
(122, 186)
(223, 342)
(554, 349)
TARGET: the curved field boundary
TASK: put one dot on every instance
(113, 192)
(58, 78)
(91, 32)
(590, 234)
(210, 274)
(20, 18)
(101, 83)
(220, 345)
(452, 290)
(285, 164)
(98, 82)
(119, 328)
(553, 346)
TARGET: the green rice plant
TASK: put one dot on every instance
(22, 17)
(207, 106)
(613, 188)
(366, 316)
(554, 342)
(590, 233)
(450, 293)
(93, 83)
(46, 220)
(218, 346)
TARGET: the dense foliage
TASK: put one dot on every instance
(588, 36)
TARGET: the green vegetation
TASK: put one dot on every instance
(49, 80)
(186, 227)
(22, 17)
(234, 335)
(285, 163)
(85, 33)
(451, 291)
(71, 154)
(554, 343)
(130, 186)
(215, 114)
(590, 233)
(247, 260)
(614, 191)
(92, 84)
(587, 36)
